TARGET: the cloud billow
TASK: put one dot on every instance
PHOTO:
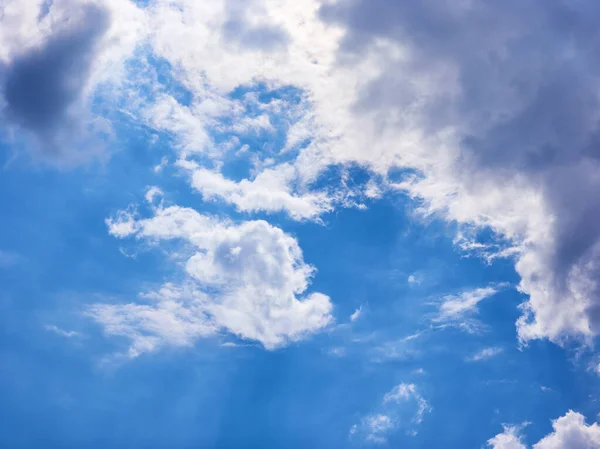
(513, 87)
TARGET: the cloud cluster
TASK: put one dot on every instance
(247, 279)
(490, 109)
(569, 432)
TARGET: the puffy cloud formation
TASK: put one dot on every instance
(510, 93)
(509, 439)
(270, 191)
(489, 110)
(569, 432)
(244, 278)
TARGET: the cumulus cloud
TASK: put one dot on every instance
(490, 110)
(248, 279)
(569, 432)
(509, 439)
(509, 91)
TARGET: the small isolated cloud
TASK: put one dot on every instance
(356, 314)
(42, 87)
(485, 354)
(414, 280)
(401, 407)
(569, 432)
(248, 279)
(153, 192)
(63, 333)
(460, 310)
(337, 352)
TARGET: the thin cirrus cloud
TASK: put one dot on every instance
(485, 354)
(461, 310)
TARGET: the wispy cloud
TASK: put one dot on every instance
(485, 354)
(461, 310)
(63, 333)
(401, 407)
(397, 349)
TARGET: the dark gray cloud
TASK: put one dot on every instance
(41, 86)
(523, 82)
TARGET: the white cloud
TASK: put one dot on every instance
(569, 432)
(460, 310)
(509, 439)
(485, 354)
(270, 191)
(63, 333)
(337, 352)
(398, 349)
(406, 392)
(412, 279)
(477, 135)
(152, 193)
(402, 407)
(247, 279)
(356, 314)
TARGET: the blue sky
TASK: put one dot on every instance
(299, 224)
